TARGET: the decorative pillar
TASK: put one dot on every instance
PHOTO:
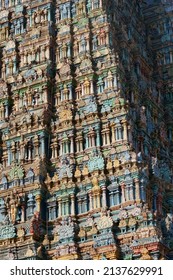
(38, 201)
(23, 213)
(104, 203)
(59, 208)
(81, 145)
(43, 53)
(70, 92)
(14, 65)
(68, 54)
(82, 89)
(47, 54)
(72, 204)
(29, 152)
(79, 206)
(93, 140)
(87, 142)
(103, 138)
(95, 201)
(91, 87)
(54, 212)
(30, 205)
(36, 144)
(117, 196)
(111, 199)
(98, 200)
(2, 209)
(108, 138)
(67, 208)
(7, 69)
(61, 148)
(137, 190)
(42, 146)
(72, 145)
(6, 110)
(97, 138)
(90, 200)
(113, 133)
(77, 146)
(131, 192)
(55, 150)
(124, 123)
(48, 15)
(123, 192)
(85, 203)
(9, 154)
(115, 82)
(49, 213)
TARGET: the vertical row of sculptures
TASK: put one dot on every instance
(85, 167)
(26, 93)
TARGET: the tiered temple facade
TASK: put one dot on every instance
(86, 130)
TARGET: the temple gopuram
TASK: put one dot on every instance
(86, 129)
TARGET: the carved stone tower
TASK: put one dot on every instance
(85, 130)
